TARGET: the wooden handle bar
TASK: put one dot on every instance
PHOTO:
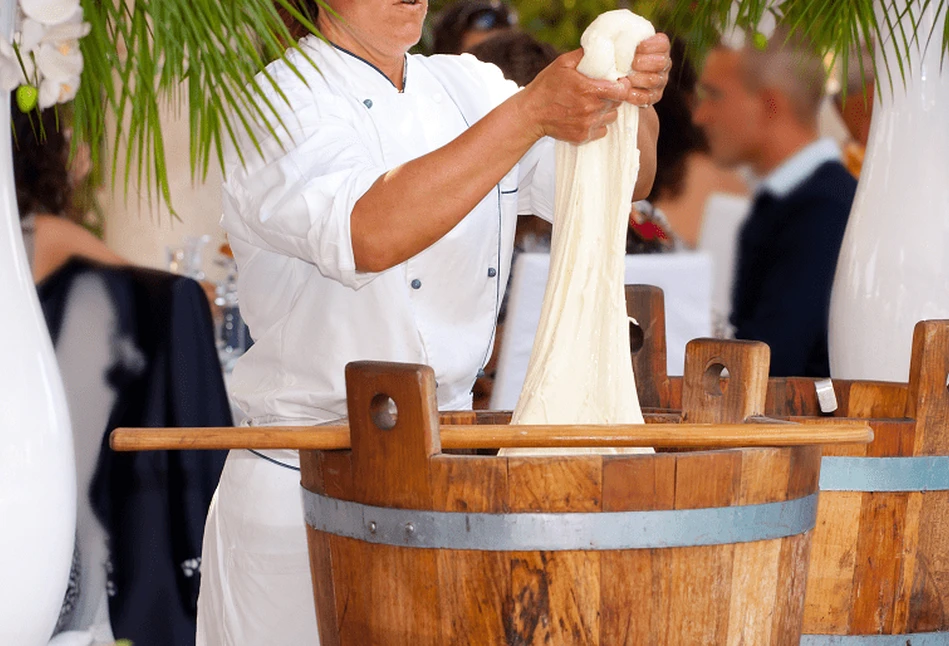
(479, 436)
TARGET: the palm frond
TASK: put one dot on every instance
(836, 28)
(141, 55)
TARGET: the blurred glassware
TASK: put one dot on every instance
(231, 332)
(186, 259)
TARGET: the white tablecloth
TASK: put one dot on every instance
(685, 278)
(721, 221)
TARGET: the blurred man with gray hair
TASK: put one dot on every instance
(758, 107)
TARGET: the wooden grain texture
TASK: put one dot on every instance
(707, 398)
(390, 465)
(647, 483)
(704, 479)
(792, 576)
(646, 304)
(877, 574)
(928, 405)
(803, 473)
(721, 594)
(876, 399)
(319, 546)
(929, 601)
(880, 563)
(660, 435)
(791, 396)
(928, 396)
(904, 603)
(833, 561)
(469, 612)
(555, 596)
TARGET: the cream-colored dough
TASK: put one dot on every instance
(580, 370)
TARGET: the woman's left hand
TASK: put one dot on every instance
(650, 71)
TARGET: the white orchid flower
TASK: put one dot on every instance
(50, 12)
(11, 72)
(47, 37)
(735, 37)
(59, 60)
(54, 91)
(60, 66)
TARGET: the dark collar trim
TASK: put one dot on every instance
(405, 67)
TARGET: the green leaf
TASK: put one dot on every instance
(144, 54)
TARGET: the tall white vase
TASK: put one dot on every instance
(37, 472)
(894, 264)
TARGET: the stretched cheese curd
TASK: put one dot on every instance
(580, 370)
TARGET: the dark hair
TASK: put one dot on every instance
(308, 8)
(678, 136)
(40, 162)
(519, 55)
(457, 19)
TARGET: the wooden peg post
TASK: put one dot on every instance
(707, 397)
(647, 337)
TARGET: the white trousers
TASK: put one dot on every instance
(255, 574)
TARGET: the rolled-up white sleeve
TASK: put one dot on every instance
(297, 198)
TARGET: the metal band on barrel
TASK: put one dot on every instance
(916, 639)
(513, 532)
(922, 473)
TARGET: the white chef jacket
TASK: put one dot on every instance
(287, 215)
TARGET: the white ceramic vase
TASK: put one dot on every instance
(894, 264)
(37, 472)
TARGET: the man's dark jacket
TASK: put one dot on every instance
(787, 255)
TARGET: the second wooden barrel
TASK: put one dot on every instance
(410, 545)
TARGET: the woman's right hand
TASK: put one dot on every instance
(564, 104)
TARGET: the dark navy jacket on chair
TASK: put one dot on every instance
(787, 255)
(153, 504)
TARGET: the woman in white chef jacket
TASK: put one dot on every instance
(377, 225)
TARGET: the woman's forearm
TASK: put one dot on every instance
(413, 205)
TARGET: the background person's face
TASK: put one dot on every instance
(730, 115)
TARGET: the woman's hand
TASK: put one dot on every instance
(564, 104)
(650, 71)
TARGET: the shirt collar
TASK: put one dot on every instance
(794, 170)
(361, 70)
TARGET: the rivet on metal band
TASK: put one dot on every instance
(559, 531)
(922, 473)
(916, 639)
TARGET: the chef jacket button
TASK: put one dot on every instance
(492, 272)
(416, 284)
(367, 103)
(481, 373)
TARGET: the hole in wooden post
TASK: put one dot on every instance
(637, 337)
(715, 379)
(383, 411)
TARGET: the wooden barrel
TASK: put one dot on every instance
(879, 572)
(410, 545)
